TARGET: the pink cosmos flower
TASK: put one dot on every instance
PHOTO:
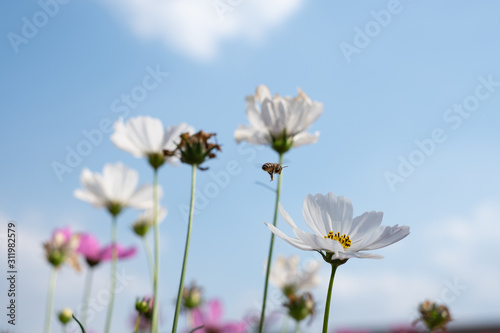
(94, 253)
(61, 248)
(211, 320)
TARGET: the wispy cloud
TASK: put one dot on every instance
(198, 27)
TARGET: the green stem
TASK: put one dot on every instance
(328, 298)
(79, 324)
(149, 256)
(155, 321)
(297, 327)
(269, 258)
(86, 294)
(186, 250)
(137, 322)
(113, 275)
(50, 298)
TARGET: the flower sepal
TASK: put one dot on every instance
(328, 257)
(114, 208)
(282, 143)
(156, 160)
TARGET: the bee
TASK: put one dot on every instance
(271, 168)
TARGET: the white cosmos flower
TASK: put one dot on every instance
(279, 121)
(144, 136)
(287, 275)
(115, 188)
(336, 235)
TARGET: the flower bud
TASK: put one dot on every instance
(141, 227)
(195, 149)
(299, 307)
(434, 316)
(65, 316)
(191, 297)
(144, 305)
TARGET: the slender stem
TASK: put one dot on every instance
(149, 256)
(86, 294)
(79, 324)
(284, 327)
(155, 322)
(65, 328)
(270, 256)
(186, 250)
(50, 298)
(137, 322)
(297, 327)
(328, 298)
(113, 275)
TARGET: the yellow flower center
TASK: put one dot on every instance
(344, 239)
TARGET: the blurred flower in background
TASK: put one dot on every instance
(210, 318)
(287, 275)
(62, 247)
(146, 220)
(434, 316)
(195, 148)
(281, 122)
(89, 247)
(192, 297)
(114, 189)
(144, 136)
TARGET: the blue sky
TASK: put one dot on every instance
(405, 82)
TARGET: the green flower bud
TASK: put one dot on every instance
(191, 297)
(299, 307)
(65, 316)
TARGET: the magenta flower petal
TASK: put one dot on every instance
(65, 232)
(214, 312)
(122, 252)
(89, 247)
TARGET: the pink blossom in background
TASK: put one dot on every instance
(210, 318)
(94, 253)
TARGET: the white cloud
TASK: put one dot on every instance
(198, 27)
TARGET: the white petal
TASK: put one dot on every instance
(305, 138)
(121, 139)
(364, 224)
(143, 197)
(327, 213)
(318, 242)
(253, 114)
(92, 191)
(385, 235)
(119, 182)
(262, 92)
(148, 131)
(173, 133)
(286, 216)
(292, 241)
(251, 135)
